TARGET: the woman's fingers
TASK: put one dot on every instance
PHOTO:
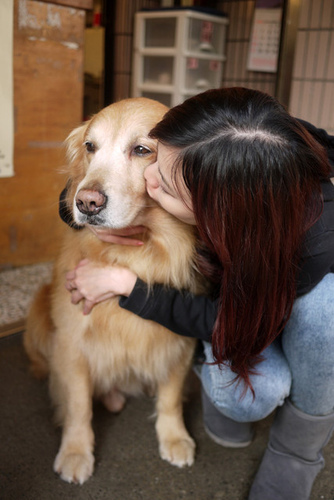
(76, 296)
(119, 236)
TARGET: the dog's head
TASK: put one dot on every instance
(107, 157)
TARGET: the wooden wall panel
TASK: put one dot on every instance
(48, 101)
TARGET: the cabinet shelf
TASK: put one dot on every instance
(208, 57)
(156, 51)
(156, 87)
(173, 53)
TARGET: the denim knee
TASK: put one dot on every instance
(271, 386)
(308, 345)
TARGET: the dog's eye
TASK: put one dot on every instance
(141, 151)
(90, 147)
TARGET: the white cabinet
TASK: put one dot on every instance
(177, 53)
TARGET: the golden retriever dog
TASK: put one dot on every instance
(111, 352)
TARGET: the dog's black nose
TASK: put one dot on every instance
(90, 202)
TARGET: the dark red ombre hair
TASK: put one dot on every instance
(254, 175)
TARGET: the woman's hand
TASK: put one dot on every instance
(119, 236)
(94, 284)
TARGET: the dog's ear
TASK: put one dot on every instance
(74, 143)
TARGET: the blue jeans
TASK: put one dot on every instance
(299, 365)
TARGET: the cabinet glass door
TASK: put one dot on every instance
(205, 36)
(202, 74)
(158, 70)
(160, 32)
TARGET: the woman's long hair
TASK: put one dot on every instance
(254, 175)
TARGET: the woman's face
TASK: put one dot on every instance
(161, 188)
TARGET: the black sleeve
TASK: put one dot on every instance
(318, 264)
(326, 140)
(181, 312)
(318, 250)
(64, 213)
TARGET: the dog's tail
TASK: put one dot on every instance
(37, 336)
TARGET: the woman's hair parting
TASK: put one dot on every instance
(254, 175)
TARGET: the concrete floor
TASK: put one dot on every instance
(128, 466)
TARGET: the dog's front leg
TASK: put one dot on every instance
(71, 391)
(175, 444)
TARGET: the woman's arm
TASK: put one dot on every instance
(181, 312)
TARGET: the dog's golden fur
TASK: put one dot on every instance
(112, 352)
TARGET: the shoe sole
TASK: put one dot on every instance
(225, 443)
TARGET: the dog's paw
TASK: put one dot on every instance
(74, 467)
(179, 452)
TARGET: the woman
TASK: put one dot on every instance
(257, 185)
